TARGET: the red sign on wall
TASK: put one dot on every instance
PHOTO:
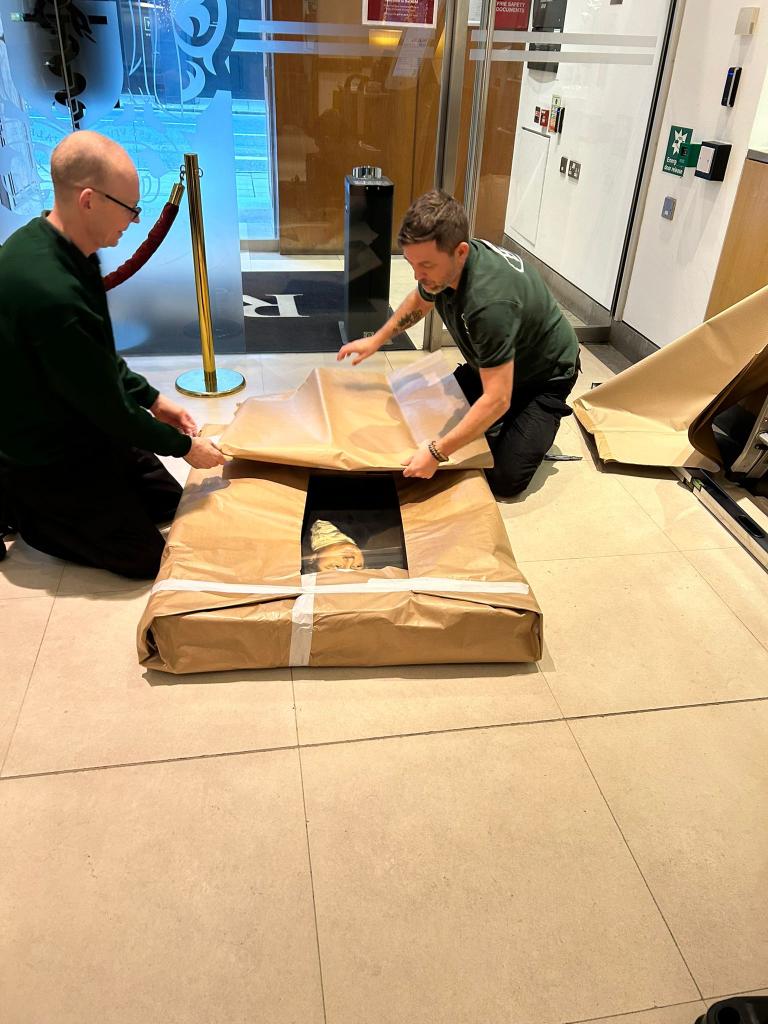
(400, 12)
(512, 15)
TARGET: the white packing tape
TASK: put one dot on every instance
(439, 584)
(302, 619)
(303, 612)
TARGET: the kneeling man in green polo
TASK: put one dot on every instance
(521, 353)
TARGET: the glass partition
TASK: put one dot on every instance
(154, 77)
(556, 112)
(280, 99)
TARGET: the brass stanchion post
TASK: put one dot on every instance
(210, 382)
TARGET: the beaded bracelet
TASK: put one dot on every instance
(435, 452)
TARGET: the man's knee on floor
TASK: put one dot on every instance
(135, 556)
(138, 564)
(509, 483)
(144, 570)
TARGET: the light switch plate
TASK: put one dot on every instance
(563, 165)
(574, 170)
(668, 210)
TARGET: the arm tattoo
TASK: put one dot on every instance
(409, 319)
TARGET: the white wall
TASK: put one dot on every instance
(582, 224)
(677, 260)
(759, 138)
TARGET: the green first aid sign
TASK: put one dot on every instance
(678, 147)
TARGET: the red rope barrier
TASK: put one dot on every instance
(146, 249)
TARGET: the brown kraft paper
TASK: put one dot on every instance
(239, 526)
(346, 418)
(643, 415)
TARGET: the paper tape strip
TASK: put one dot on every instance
(443, 585)
(302, 619)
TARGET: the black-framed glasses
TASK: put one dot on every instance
(135, 210)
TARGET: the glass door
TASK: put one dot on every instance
(153, 77)
(253, 124)
(352, 84)
(556, 115)
(281, 99)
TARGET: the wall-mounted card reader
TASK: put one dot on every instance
(731, 87)
(713, 160)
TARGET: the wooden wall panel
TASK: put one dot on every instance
(743, 266)
(498, 149)
(333, 113)
(498, 143)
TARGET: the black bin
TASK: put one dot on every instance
(368, 200)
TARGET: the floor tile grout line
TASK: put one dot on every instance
(146, 764)
(309, 853)
(718, 594)
(628, 1013)
(645, 510)
(621, 479)
(29, 678)
(428, 732)
(666, 707)
(735, 995)
(634, 859)
(379, 739)
(271, 750)
(588, 558)
(558, 705)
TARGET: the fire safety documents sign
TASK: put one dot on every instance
(420, 13)
(512, 15)
(676, 158)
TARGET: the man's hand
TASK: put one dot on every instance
(423, 464)
(174, 415)
(359, 350)
(204, 454)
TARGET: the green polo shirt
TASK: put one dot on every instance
(503, 311)
(67, 390)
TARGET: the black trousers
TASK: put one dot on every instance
(99, 511)
(524, 435)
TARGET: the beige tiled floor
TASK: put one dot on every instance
(685, 794)
(582, 840)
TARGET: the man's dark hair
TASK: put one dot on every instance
(435, 216)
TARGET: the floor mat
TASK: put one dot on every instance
(297, 311)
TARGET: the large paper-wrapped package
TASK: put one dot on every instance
(285, 557)
(644, 415)
(231, 592)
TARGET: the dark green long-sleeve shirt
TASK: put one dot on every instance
(67, 391)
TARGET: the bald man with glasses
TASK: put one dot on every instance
(79, 432)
